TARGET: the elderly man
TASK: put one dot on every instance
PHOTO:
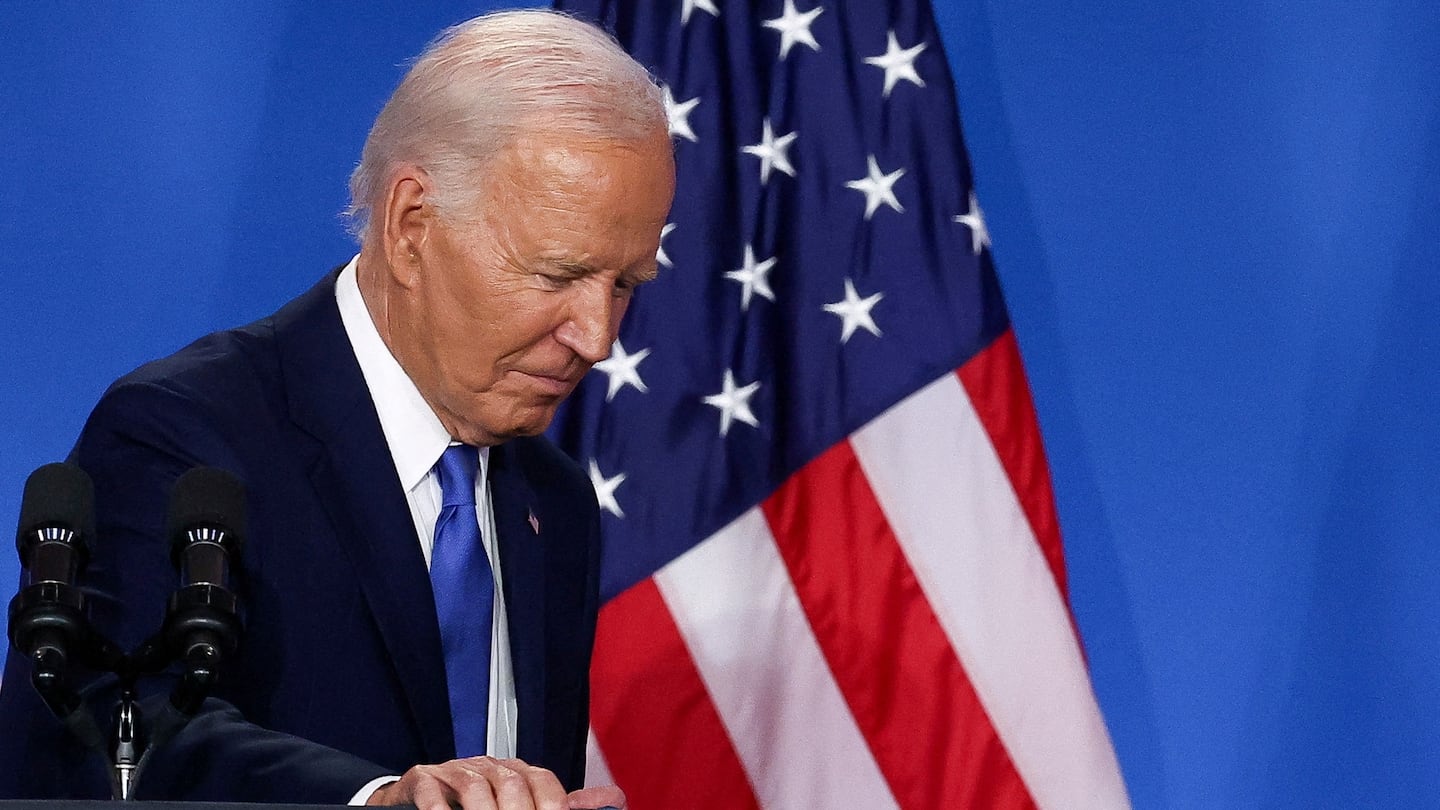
(421, 573)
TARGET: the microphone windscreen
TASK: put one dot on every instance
(59, 494)
(207, 496)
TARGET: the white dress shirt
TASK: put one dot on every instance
(416, 440)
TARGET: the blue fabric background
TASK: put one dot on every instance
(1218, 225)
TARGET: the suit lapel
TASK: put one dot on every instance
(354, 476)
(522, 561)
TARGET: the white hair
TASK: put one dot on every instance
(485, 82)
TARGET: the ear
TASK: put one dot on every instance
(408, 218)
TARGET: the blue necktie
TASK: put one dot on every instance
(464, 599)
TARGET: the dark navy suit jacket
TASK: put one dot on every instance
(339, 678)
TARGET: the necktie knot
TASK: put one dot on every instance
(457, 470)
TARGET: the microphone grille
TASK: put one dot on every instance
(59, 494)
(207, 497)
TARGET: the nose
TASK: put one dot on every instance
(592, 323)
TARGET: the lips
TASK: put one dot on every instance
(549, 384)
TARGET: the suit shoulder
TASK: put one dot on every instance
(206, 390)
(226, 363)
(219, 367)
(234, 367)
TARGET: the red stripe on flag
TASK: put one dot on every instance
(892, 661)
(651, 715)
(995, 381)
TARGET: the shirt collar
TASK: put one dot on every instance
(412, 430)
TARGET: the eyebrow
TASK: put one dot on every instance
(580, 269)
(573, 268)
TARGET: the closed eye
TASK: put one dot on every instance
(625, 286)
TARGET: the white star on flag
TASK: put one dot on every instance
(754, 278)
(733, 402)
(877, 187)
(794, 27)
(660, 255)
(772, 152)
(678, 114)
(622, 369)
(898, 63)
(975, 221)
(605, 489)
(704, 5)
(854, 311)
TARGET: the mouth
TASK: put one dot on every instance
(548, 384)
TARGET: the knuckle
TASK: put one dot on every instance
(485, 763)
(508, 776)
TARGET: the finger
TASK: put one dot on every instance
(510, 789)
(473, 788)
(595, 797)
(428, 792)
(543, 786)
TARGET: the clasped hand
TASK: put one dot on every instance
(486, 783)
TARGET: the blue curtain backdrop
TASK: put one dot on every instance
(1216, 223)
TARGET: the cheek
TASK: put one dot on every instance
(529, 321)
(525, 321)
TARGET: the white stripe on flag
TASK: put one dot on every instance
(944, 492)
(736, 608)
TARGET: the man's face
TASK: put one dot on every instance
(510, 305)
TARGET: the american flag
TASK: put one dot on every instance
(833, 570)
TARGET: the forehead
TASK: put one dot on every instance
(602, 183)
(546, 163)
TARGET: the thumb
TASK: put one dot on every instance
(593, 798)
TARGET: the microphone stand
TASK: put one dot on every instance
(128, 746)
(202, 626)
(201, 630)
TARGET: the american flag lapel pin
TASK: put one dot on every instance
(534, 522)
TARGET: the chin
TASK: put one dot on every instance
(535, 427)
(515, 427)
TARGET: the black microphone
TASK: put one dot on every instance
(202, 623)
(47, 616)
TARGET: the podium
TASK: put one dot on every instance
(76, 804)
(87, 804)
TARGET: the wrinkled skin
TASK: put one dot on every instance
(497, 313)
(485, 783)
